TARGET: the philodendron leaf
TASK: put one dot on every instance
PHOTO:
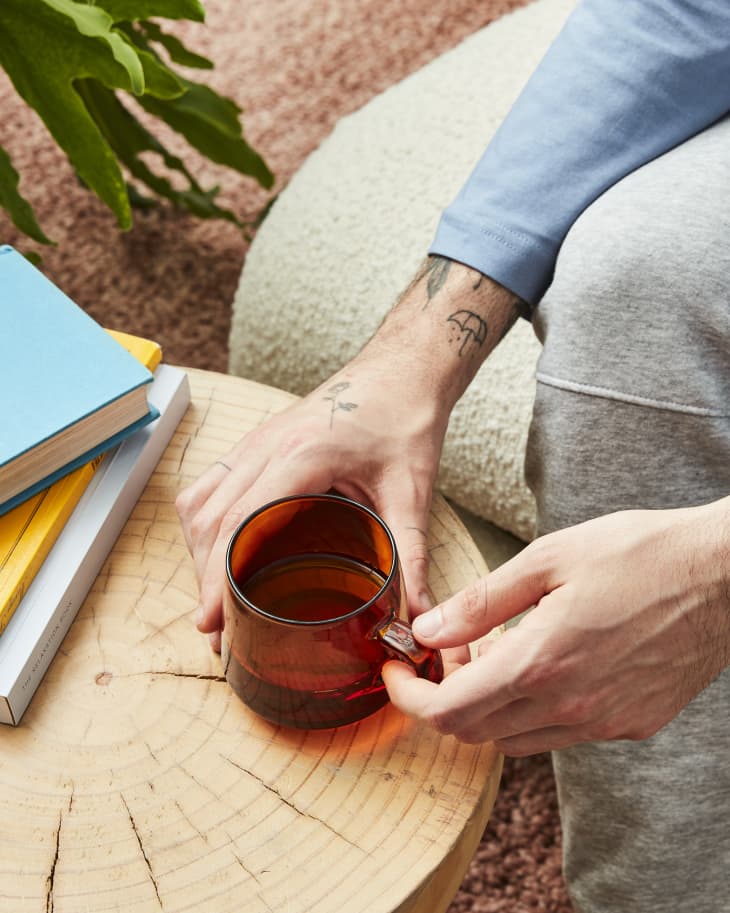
(44, 52)
(126, 135)
(210, 123)
(129, 10)
(21, 212)
(176, 50)
(96, 23)
(68, 58)
(159, 79)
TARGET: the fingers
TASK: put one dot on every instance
(490, 601)
(466, 695)
(405, 509)
(490, 697)
(412, 695)
(519, 727)
(515, 694)
(191, 499)
(513, 729)
(202, 506)
(272, 484)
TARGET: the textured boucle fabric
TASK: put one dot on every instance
(347, 233)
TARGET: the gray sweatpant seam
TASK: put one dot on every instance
(633, 399)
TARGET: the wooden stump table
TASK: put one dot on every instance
(138, 782)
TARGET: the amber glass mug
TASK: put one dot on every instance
(313, 608)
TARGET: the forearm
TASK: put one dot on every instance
(708, 570)
(443, 327)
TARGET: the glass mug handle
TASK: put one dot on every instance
(397, 637)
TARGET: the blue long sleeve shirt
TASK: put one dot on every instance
(623, 82)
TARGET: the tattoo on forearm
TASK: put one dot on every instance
(437, 270)
(337, 404)
(467, 327)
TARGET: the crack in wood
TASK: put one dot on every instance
(198, 675)
(182, 455)
(248, 872)
(197, 830)
(149, 749)
(291, 805)
(142, 850)
(264, 902)
(50, 880)
(199, 783)
(204, 417)
(202, 678)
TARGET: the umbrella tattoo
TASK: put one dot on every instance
(469, 326)
(334, 392)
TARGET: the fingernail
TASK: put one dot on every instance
(427, 625)
(425, 599)
(199, 616)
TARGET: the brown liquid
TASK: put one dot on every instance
(317, 709)
(312, 587)
(332, 676)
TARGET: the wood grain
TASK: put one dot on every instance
(137, 781)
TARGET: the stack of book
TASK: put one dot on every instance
(85, 416)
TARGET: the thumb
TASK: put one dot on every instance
(512, 588)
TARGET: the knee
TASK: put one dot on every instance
(649, 258)
(636, 310)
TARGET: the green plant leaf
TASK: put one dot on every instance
(159, 79)
(97, 23)
(129, 10)
(176, 50)
(137, 199)
(68, 58)
(126, 135)
(210, 123)
(44, 52)
(20, 210)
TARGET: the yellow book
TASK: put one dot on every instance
(28, 532)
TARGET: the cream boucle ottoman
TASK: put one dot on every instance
(346, 235)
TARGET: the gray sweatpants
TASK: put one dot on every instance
(633, 410)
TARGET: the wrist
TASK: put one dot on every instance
(708, 574)
(443, 327)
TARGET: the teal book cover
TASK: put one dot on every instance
(68, 390)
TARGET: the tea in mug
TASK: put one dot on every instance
(287, 687)
(312, 587)
(312, 609)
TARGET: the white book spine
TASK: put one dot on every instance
(40, 623)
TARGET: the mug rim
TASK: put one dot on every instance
(322, 496)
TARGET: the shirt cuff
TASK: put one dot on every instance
(523, 267)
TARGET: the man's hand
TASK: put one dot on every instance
(379, 447)
(373, 431)
(631, 620)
